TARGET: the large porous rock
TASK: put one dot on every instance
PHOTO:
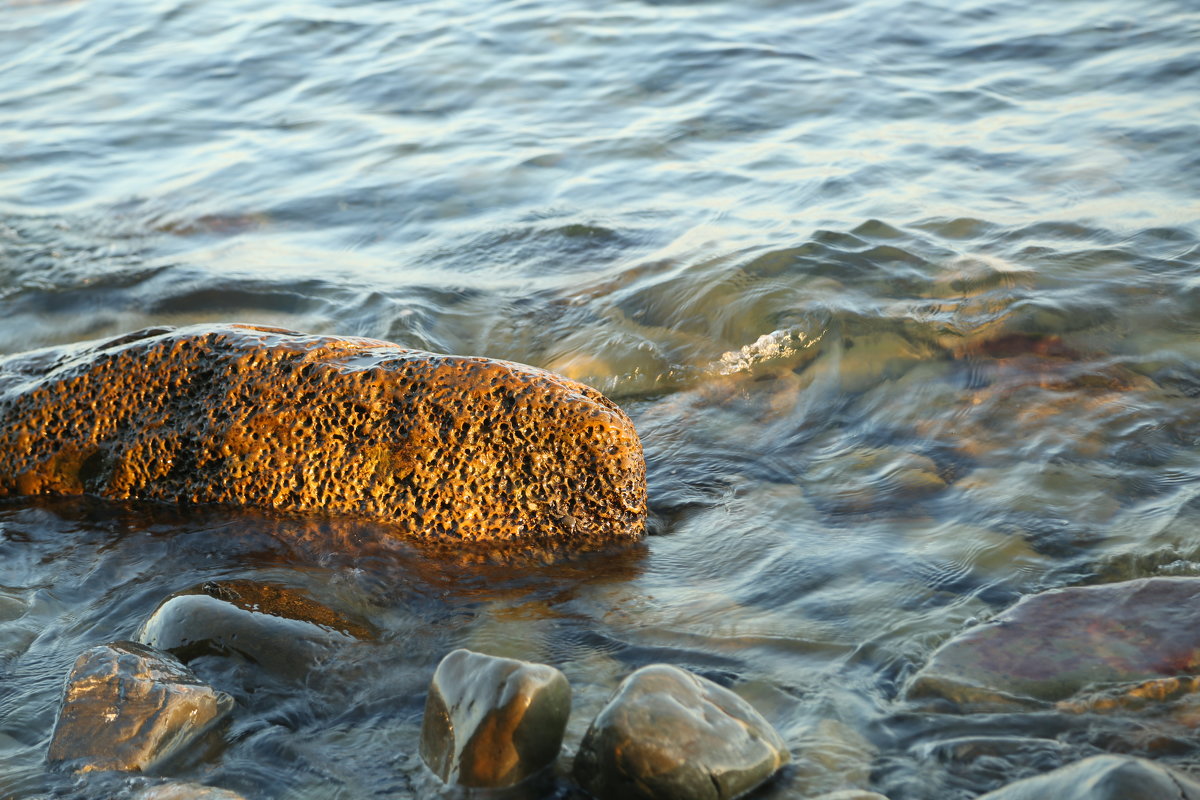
(1106, 777)
(186, 791)
(1051, 645)
(129, 707)
(276, 627)
(668, 734)
(445, 446)
(492, 722)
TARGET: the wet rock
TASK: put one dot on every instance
(832, 755)
(278, 628)
(493, 722)
(444, 446)
(1106, 777)
(186, 791)
(670, 735)
(1049, 646)
(868, 478)
(128, 707)
(850, 794)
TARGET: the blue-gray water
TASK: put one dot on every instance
(904, 298)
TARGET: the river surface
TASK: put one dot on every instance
(903, 297)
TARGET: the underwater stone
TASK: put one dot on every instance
(275, 627)
(186, 791)
(127, 707)
(668, 734)
(1049, 646)
(444, 446)
(492, 722)
(1106, 777)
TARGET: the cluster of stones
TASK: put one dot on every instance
(667, 734)
(133, 705)
(489, 722)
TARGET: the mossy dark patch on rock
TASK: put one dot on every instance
(445, 447)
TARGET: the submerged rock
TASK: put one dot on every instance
(186, 791)
(444, 446)
(128, 707)
(1049, 646)
(668, 734)
(278, 628)
(1106, 777)
(493, 722)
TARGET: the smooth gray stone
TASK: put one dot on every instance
(668, 734)
(493, 722)
(1107, 777)
(128, 707)
(186, 791)
(276, 628)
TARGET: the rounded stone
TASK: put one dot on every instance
(128, 707)
(1106, 777)
(668, 734)
(493, 722)
(443, 446)
(275, 627)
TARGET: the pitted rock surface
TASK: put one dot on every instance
(445, 446)
(128, 707)
(1050, 646)
(493, 722)
(668, 734)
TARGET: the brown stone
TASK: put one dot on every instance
(128, 707)
(493, 722)
(1050, 646)
(444, 446)
(668, 734)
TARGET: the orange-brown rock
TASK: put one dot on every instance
(129, 707)
(446, 447)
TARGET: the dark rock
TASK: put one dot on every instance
(128, 707)
(278, 628)
(670, 735)
(443, 446)
(1049, 646)
(493, 722)
(1106, 777)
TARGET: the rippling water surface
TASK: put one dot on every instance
(904, 298)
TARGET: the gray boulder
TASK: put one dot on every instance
(492, 722)
(670, 735)
(128, 707)
(1106, 777)
(277, 628)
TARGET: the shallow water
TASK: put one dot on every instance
(904, 298)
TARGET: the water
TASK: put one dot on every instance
(902, 296)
